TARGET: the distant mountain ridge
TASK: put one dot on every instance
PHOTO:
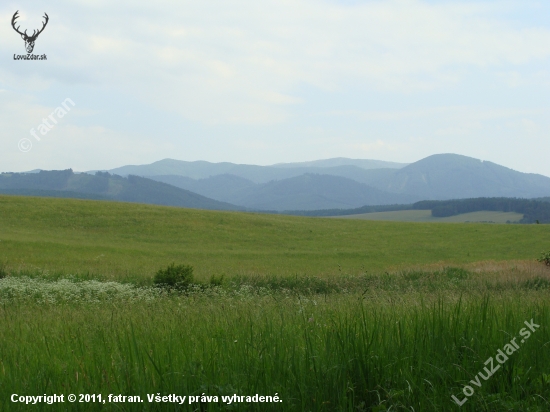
(451, 176)
(305, 192)
(437, 177)
(257, 174)
(337, 183)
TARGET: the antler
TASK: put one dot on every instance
(15, 16)
(43, 26)
(34, 33)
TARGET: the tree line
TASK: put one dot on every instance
(533, 209)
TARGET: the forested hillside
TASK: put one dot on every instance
(105, 186)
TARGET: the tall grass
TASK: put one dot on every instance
(335, 337)
(372, 351)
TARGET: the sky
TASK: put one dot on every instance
(264, 82)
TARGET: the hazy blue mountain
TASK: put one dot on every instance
(221, 187)
(195, 170)
(344, 161)
(256, 174)
(104, 186)
(437, 177)
(324, 184)
(312, 191)
(451, 176)
(304, 192)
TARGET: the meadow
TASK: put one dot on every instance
(325, 314)
(132, 241)
(426, 216)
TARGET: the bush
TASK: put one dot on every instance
(545, 257)
(174, 277)
(217, 280)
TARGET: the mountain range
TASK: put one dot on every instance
(337, 183)
(345, 183)
(350, 168)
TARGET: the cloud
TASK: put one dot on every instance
(224, 62)
(66, 144)
(276, 80)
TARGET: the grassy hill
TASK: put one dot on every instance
(404, 340)
(133, 240)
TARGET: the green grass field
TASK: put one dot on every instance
(426, 216)
(118, 240)
(326, 314)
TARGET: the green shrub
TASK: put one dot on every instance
(178, 277)
(545, 257)
(217, 280)
(3, 271)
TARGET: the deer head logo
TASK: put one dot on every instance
(29, 40)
